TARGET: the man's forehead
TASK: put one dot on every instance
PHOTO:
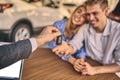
(93, 8)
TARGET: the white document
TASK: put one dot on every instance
(12, 70)
(118, 74)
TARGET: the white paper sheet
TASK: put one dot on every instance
(118, 74)
(12, 70)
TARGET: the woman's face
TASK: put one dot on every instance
(79, 16)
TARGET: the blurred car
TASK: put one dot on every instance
(20, 19)
(115, 13)
(58, 2)
(66, 7)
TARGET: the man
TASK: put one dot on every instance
(102, 41)
(11, 53)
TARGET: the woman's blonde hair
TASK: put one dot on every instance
(69, 24)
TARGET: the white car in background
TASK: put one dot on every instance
(66, 7)
(20, 19)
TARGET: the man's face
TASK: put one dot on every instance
(96, 15)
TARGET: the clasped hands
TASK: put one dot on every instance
(84, 67)
(80, 65)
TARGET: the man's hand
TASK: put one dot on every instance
(63, 49)
(48, 34)
(88, 69)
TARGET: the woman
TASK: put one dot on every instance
(68, 28)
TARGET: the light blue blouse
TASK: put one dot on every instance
(60, 25)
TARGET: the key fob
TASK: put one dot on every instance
(59, 40)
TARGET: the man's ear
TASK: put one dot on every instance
(106, 11)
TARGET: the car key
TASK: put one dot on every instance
(59, 40)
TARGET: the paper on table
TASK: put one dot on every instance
(12, 70)
(118, 74)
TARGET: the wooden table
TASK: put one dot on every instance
(45, 65)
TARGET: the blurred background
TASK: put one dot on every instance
(21, 19)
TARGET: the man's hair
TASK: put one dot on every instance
(103, 3)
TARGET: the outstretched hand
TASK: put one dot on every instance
(62, 49)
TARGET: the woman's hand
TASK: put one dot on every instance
(78, 65)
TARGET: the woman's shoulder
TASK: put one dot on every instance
(60, 21)
(60, 24)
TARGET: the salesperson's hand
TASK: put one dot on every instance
(49, 33)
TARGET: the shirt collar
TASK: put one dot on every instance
(107, 28)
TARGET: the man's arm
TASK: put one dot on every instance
(11, 53)
(74, 44)
(87, 69)
(63, 49)
(92, 70)
(111, 68)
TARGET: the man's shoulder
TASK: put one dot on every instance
(114, 26)
(114, 23)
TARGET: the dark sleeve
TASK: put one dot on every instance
(11, 53)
